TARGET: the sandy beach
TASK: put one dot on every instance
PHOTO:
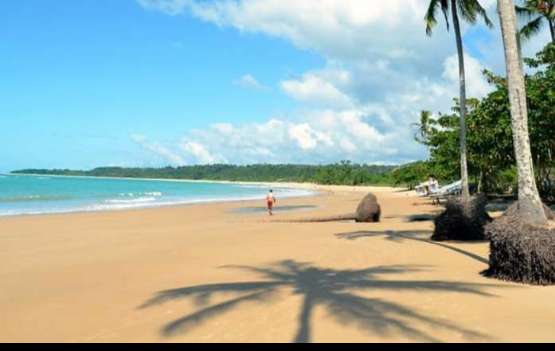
(225, 272)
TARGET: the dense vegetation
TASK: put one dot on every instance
(344, 173)
(489, 137)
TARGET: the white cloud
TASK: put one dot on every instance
(320, 135)
(380, 71)
(307, 138)
(333, 27)
(158, 150)
(317, 89)
(348, 146)
(303, 135)
(200, 153)
(352, 120)
(224, 128)
(249, 82)
(476, 85)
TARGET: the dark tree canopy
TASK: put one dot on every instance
(489, 137)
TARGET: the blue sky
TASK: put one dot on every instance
(155, 82)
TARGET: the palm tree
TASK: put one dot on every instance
(537, 12)
(529, 202)
(470, 11)
(423, 127)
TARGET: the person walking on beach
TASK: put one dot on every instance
(270, 202)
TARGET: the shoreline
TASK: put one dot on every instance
(183, 205)
(312, 190)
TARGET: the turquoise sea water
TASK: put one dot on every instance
(43, 194)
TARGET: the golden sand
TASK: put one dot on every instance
(211, 273)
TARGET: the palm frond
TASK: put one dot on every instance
(532, 28)
(531, 8)
(525, 12)
(431, 14)
(472, 10)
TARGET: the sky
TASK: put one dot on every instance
(152, 83)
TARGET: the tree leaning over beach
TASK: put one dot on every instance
(537, 13)
(470, 11)
(530, 206)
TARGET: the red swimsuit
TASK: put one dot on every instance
(270, 201)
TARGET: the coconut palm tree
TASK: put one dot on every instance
(470, 11)
(537, 12)
(530, 205)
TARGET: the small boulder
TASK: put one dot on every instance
(368, 211)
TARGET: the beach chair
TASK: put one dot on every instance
(426, 189)
(422, 189)
(444, 193)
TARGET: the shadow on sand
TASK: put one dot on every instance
(335, 290)
(414, 235)
(424, 217)
(421, 218)
(277, 209)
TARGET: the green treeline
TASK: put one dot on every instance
(344, 173)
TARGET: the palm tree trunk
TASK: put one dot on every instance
(552, 28)
(530, 205)
(462, 82)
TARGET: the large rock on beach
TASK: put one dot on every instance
(368, 211)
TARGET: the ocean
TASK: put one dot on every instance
(26, 195)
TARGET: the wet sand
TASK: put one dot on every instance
(228, 273)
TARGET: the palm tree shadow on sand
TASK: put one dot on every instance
(332, 289)
(400, 236)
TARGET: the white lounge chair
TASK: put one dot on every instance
(447, 191)
(422, 189)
